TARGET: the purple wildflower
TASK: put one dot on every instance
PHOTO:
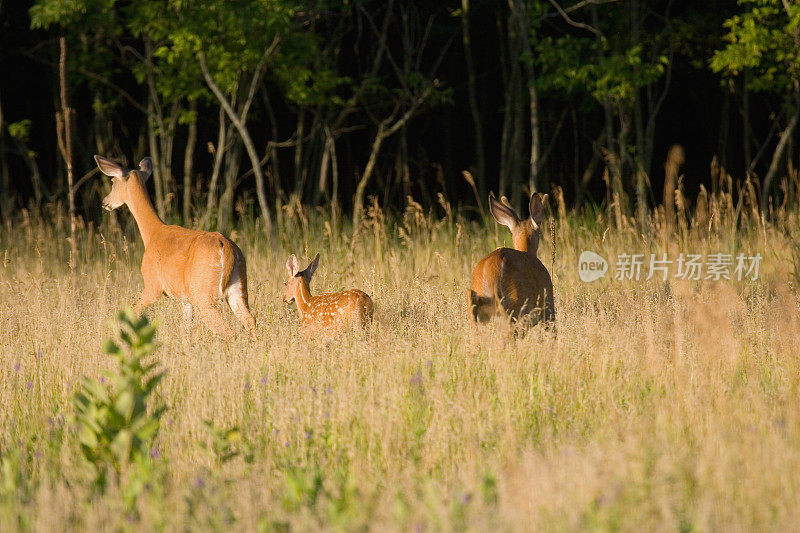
(16, 367)
(246, 387)
(155, 453)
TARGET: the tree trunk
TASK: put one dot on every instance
(310, 164)
(358, 202)
(724, 129)
(519, 12)
(275, 175)
(5, 191)
(675, 158)
(788, 133)
(403, 170)
(480, 156)
(322, 185)
(746, 128)
(155, 154)
(385, 130)
(39, 188)
(576, 157)
(334, 177)
(505, 72)
(65, 143)
(626, 166)
(238, 120)
(218, 153)
(517, 143)
(162, 135)
(511, 138)
(225, 211)
(535, 161)
(777, 156)
(188, 166)
(298, 151)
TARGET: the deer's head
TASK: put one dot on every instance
(123, 180)
(296, 276)
(524, 232)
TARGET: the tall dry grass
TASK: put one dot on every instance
(655, 406)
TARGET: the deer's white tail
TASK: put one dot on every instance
(227, 261)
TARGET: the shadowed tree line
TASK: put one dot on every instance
(260, 103)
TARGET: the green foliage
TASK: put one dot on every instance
(91, 28)
(303, 487)
(762, 40)
(46, 13)
(307, 86)
(13, 475)
(227, 443)
(233, 35)
(20, 130)
(489, 489)
(16, 486)
(115, 429)
(418, 414)
(333, 499)
(614, 75)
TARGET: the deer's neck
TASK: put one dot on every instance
(303, 298)
(524, 245)
(143, 212)
(527, 241)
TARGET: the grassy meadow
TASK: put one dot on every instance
(653, 406)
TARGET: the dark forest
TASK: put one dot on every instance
(261, 103)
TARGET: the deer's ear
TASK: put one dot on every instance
(312, 267)
(537, 209)
(292, 265)
(145, 169)
(109, 167)
(502, 213)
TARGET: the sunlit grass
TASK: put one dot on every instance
(654, 406)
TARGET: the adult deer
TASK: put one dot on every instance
(513, 282)
(325, 311)
(199, 267)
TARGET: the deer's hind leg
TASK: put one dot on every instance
(237, 300)
(188, 312)
(236, 296)
(212, 318)
(481, 308)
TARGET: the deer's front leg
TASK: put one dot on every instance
(149, 295)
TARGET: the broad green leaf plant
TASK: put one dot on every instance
(115, 418)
